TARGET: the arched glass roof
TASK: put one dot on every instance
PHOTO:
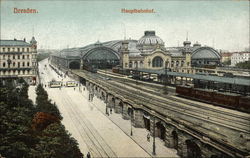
(205, 53)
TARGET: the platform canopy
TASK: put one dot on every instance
(229, 80)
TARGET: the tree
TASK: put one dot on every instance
(45, 105)
(47, 138)
(227, 62)
(243, 65)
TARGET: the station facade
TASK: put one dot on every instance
(149, 52)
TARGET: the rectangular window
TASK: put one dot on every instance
(18, 49)
(13, 49)
(3, 49)
(22, 49)
(14, 57)
(28, 49)
(8, 49)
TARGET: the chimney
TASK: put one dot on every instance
(14, 39)
(24, 40)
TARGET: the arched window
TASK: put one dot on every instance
(157, 62)
(130, 64)
(141, 63)
(4, 64)
(23, 64)
(136, 64)
(28, 64)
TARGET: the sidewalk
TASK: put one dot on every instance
(139, 134)
(32, 93)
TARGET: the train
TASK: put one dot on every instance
(71, 84)
(55, 84)
(120, 70)
(227, 100)
(90, 68)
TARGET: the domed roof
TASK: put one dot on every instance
(150, 38)
(33, 40)
(205, 53)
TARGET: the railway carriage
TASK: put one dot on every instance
(227, 100)
(201, 94)
(71, 84)
(184, 90)
(244, 103)
(55, 84)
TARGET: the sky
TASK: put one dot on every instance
(61, 24)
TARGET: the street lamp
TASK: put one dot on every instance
(131, 113)
(154, 135)
(166, 77)
(106, 101)
(136, 73)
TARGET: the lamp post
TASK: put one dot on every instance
(131, 113)
(165, 81)
(154, 153)
(136, 73)
(106, 101)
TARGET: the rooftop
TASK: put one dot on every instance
(14, 43)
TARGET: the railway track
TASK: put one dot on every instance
(170, 98)
(156, 92)
(97, 146)
(240, 123)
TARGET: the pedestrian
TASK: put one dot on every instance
(148, 137)
(45, 85)
(74, 88)
(92, 96)
(110, 110)
(88, 155)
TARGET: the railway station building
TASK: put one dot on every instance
(149, 52)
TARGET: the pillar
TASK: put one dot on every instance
(169, 136)
(125, 115)
(138, 118)
(117, 107)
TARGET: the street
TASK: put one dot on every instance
(97, 133)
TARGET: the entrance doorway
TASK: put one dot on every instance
(160, 130)
(175, 140)
(146, 120)
(193, 150)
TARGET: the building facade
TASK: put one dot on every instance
(18, 59)
(149, 52)
(225, 57)
(239, 57)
